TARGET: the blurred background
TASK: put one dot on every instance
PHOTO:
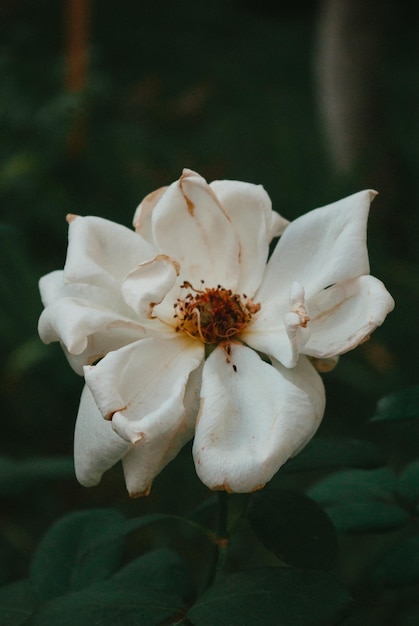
(102, 102)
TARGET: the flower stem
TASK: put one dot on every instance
(220, 540)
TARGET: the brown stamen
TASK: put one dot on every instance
(213, 315)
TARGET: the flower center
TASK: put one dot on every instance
(213, 315)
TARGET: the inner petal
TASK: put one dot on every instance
(189, 224)
(281, 330)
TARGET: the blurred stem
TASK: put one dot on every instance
(220, 540)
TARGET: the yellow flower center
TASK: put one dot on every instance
(213, 315)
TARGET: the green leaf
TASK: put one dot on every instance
(408, 484)
(17, 602)
(367, 516)
(360, 500)
(399, 566)
(121, 530)
(63, 562)
(163, 570)
(328, 452)
(354, 484)
(273, 596)
(402, 405)
(17, 476)
(108, 604)
(293, 527)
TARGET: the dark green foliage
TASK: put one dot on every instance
(294, 528)
(63, 562)
(360, 500)
(108, 604)
(334, 452)
(161, 569)
(18, 601)
(408, 485)
(18, 476)
(72, 580)
(273, 596)
(399, 566)
(403, 405)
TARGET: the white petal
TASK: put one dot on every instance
(345, 315)
(51, 287)
(190, 226)
(147, 285)
(253, 418)
(323, 247)
(72, 321)
(278, 225)
(250, 211)
(141, 387)
(142, 216)
(278, 331)
(282, 341)
(96, 446)
(88, 321)
(101, 252)
(164, 440)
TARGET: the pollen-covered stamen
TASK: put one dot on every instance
(213, 315)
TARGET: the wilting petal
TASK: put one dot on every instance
(141, 386)
(146, 286)
(321, 248)
(96, 446)
(250, 211)
(253, 418)
(190, 226)
(164, 440)
(346, 314)
(142, 217)
(101, 252)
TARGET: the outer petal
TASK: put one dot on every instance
(88, 321)
(190, 226)
(253, 418)
(101, 252)
(321, 248)
(164, 440)
(250, 211)
(96, 446)
(305, 376)
(345, 315)
(72, 321)
(143, 213)
(141, 387)
(52, 287)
